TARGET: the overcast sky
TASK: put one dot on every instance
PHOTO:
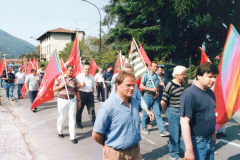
(32, 18)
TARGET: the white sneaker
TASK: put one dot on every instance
(145, 131)
(164, 134)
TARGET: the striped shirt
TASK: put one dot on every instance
(71, 86)
(172, 94)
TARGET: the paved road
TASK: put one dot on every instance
(36, 135)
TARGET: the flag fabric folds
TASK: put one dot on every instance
(74, 57)
(24, 65)
(2, 66)
(138, 64)
(144, 56)
(204, 57)
(29, 68)
(45, 92)
(228, 80)
(93, 68)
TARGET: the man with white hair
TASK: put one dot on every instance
(171, 103)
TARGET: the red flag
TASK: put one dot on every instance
(116, 65)
(144, 55)
(45, 92)
(217, 57)
(29, 68)
(204, 57)
(74, 58)
(138, 83)
(24, 65)
(36, 63)
(2, 66)
(93, 68)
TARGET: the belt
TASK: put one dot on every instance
(66, 98)
(86, 92)
(150, 93)
(99, 82)
(108, 81)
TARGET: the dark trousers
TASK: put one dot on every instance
(100, 90)
(88, 100)
(19, 87)
(107, 90)
(32, 95)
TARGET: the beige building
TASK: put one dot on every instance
(56, 38)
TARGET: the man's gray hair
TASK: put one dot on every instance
(178, 70)
(127, 65)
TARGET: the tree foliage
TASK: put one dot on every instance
(170, 28)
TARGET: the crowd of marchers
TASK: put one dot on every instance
(190, 110)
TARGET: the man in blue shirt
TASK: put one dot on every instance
(149, 84)
(136, 94)
(117, 126)
(107, 77)
(197, 111)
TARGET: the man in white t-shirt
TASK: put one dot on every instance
(20, 76)
(32, 82)
(86, 86)
(99, 84)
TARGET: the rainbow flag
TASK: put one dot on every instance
(228, 80)
(45, 91)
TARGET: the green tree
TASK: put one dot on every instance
(169, 28)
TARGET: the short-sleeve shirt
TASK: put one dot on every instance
(71, 86)
(107, 75)
(200, 106)
(146, 80)
(33, 82)
(88, 80)
(11, 77)
(172, 93)
(98, 77)
(119, 124)
(20, 77)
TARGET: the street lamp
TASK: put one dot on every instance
(100, 23)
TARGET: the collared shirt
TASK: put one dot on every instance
(113, 79)
(20, 77)
(32, 82)
(98, 77)
(71, 86)
(147, 80)
(119, 124)
(136, 94)
(107, 75)
(88, 80)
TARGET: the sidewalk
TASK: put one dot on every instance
(12, 135)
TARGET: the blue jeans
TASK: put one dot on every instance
(1, 81)
(203, 147)
(174, 130)
(9, 89)
(32, 95)
(154, 103)
(19, 86)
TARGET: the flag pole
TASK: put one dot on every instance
(144, 62)
(63, 78)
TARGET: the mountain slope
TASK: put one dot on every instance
(13, 45)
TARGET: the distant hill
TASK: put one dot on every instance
(13, 45)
